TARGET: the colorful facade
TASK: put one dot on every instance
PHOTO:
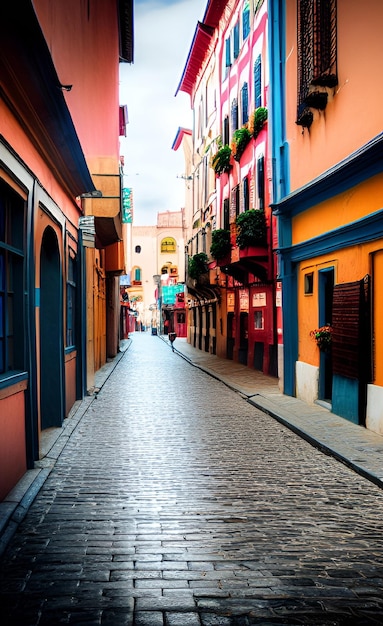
(327, 193)
(59, 153)
(157, 276)
(235, 303)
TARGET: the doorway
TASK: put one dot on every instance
(326, 294)
(51, 333)
(243, 338)
(230, 335)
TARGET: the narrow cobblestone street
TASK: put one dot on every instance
(176, 502)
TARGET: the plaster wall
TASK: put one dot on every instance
(307, 377)
(350, 119)
(374, 413)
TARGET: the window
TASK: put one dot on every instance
(168, 245)
(258, 320)
(316, 48)
(71, 300)
(258, 82)
(226, 214)
(137, 274)
(225, 131)
(236, 40)
(261, 182)
(246, 20)
(227, 52)
(11, 280)
(245, 103)
(137, 249)
(235, 203)
(246, 195)
(309, 283)
(234, 114)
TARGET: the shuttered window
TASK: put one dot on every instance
(258, 82)
(317, 47)
(351, 345)
(234, 114)
(245, 103)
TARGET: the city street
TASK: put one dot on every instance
(175, 502)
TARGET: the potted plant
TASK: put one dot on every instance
(323, 337)
(221, 160)
(251, 228)
(220, 243)
(257, 120)
(241, 138)
(197, 265)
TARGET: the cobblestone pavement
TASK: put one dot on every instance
(175, 502)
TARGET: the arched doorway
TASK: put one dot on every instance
(51, 333)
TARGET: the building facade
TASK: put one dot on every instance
(328, 182)
(57, 150)
(235, 297)
(157, 277)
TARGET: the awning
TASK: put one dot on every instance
(108, 230)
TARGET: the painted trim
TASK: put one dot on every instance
(359, 166)
(365, 230)
(279, 146)
(12, 378)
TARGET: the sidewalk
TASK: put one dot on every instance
(356, 447)
(353, 445)
(16, 504)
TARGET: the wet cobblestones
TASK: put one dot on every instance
(175, 502)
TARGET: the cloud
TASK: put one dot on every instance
(163, 35)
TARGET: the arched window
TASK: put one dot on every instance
(137, 249)
(168, 244)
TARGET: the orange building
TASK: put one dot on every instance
(328, 184)
(59, 164)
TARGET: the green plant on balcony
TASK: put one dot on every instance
(220, 243)
(197, 265)
(221, 160)
(241, 138)
(257, 120)
(251, 228)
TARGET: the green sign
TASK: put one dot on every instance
(127, 206)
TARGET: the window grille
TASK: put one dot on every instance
(317, 47)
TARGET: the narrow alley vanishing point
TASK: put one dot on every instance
(177, 503)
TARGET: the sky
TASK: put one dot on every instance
(163, 33)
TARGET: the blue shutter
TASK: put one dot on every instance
(246, 21)
(234, 115)
(258, 82)
(227, 52)
(236, 40)
(245, 103)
